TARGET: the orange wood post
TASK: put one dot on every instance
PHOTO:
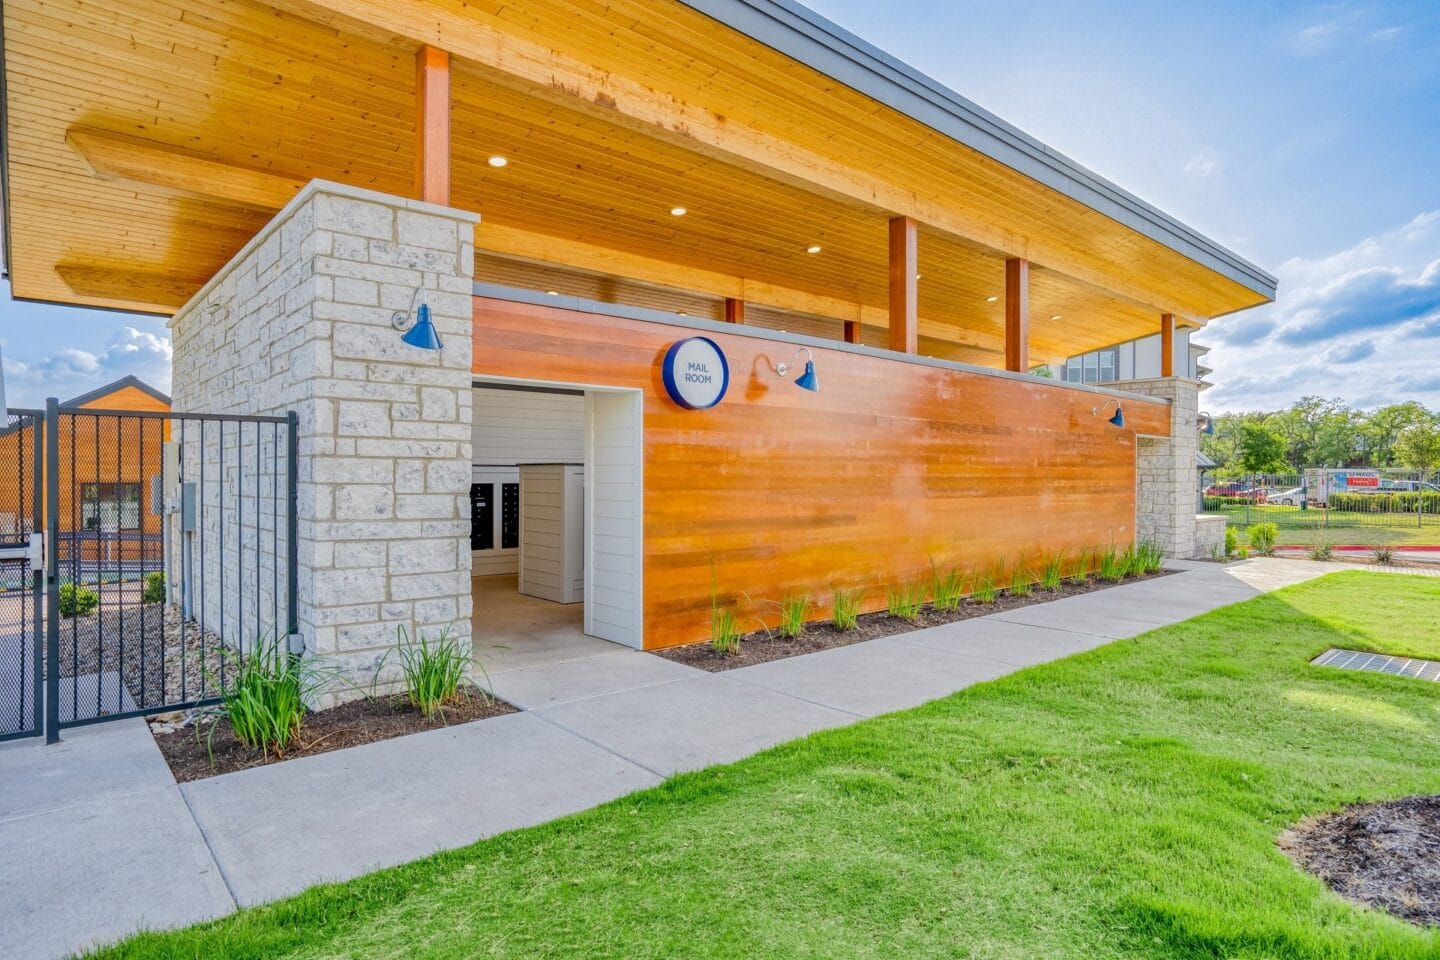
(1017, 315)
(852, 331)
(1167, 344)
(904, 291)
(432, 125)
(734, 310)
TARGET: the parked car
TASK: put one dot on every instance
(1287, 498)
(1407, 486)
(1238, 490)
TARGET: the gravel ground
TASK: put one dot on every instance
(144, 645)
(1384, 855)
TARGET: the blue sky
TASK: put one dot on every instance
(1306, 137)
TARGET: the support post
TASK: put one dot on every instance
(1167, 344)
(734, 310)
(852, 331)
(432, 125)
(1017, 315)
(52, 570)
(904, 290)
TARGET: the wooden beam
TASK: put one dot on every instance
(1017, 315)
(129, 286)
(734, 310)
(904, 288)
(1167, 345)
(852, 331)
(432, 125)
(116, 156)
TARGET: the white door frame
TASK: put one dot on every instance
(629, 636)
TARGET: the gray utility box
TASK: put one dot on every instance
(552, 531)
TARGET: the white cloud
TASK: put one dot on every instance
(1362, 323)
(71, 371)
(1202, 165)
(1385, 34)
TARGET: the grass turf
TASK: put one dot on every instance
(1306, 527)
(1122, 803)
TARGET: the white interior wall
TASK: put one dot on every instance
(614, 561)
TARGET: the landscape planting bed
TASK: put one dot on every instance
(194, 753)
(762, 646)
(1383, 855)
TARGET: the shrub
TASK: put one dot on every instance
(1383, 553)
(724, 628)
(154, 591)
(1084, 563)
(265, 703)
(845, 608)
(1052, 573)
(792, 615)
(1129, 561)
(77, 601)
(1111, 565)
(1321, 550)
(985, 591)
(1263, 537)
(1020, 583)
(906, 600)
(1232, 541)
(432, 669)
(948, 588)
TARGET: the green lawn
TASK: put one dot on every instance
(1314, 526)
(1123, 803)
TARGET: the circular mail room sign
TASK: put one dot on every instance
(695, 373)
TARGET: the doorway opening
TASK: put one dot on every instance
(556, 522)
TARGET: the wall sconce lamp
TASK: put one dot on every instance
(1117, 420)
(1207, 424)
(422, 332)
(806, 380)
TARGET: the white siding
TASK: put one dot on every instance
(614, 485)
(517, 426)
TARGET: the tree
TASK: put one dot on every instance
(1379, 430)
(1261, 449)
(1418, 446)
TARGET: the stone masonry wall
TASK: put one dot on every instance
(1165, 468)
(300, 320)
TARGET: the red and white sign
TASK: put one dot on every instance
(1361, 481)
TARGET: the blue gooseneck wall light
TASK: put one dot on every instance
(1117, 420)
(1207, 424)
(807, 380)
(422, 332)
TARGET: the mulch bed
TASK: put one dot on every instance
(1383, 855)
(762, 647)
(194, 753)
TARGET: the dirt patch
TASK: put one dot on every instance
(194, 752)
(161, 656)
(762, 647)
(1383, 855)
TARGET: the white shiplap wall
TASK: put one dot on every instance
(521, 426)
(614, 553)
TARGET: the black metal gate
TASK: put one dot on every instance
(169, 555)
(21, 582)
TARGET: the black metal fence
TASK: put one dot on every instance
(169, 556)
(1370, 504)
(21, 611)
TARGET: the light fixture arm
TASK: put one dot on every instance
(784, 368)
(402, 321)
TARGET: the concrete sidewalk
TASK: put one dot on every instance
(101, 841)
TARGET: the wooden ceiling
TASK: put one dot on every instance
(149, 139)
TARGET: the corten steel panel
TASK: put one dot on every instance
(890, 466)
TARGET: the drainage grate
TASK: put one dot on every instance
(1379, 663)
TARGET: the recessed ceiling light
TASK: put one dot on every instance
(497, 161)
(678, 211)
(813, 248)
(991, 299)
(917, 276)
(681, 313)
(552, 293)
(1056, 317)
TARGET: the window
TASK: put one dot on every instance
(110, 506)
(1108, 361)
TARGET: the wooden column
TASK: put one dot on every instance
(904, 291)
(432, 125)
(734, 310)
(1017, 315)
(852, 331)
(1167, 344)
